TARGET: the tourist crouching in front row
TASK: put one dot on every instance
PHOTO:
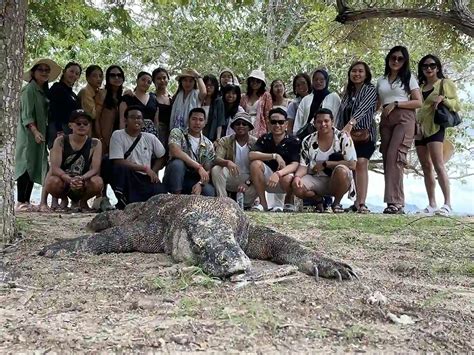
(328, 157)
(75, 164)
(134, 174)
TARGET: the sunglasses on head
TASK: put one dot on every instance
(432, 66)
(277, 122)
(82, 123)
(116, 75)
(397, 58)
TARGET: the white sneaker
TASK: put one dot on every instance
(257, 208)
(288, 207)
(277, 209)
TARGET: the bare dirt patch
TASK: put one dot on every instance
(143, 302)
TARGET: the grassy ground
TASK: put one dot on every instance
(423, 266)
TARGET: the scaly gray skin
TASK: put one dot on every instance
(213, 233)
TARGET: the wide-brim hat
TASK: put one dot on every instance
(186, 73)
(257, 74)
(53, 66)
(79, 113)
(242, 116)
(448, 150)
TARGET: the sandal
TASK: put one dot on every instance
(444, 210)
(363, 209)
(44, 209)
(352, 208)
(393, 209)
(337, 208)
(25, 207)
(428, 210)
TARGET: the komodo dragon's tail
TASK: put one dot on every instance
(267, 244)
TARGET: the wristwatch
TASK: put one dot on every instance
(274, 156)
(396, 103)
(248, 183)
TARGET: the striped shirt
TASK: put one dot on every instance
(361, 108)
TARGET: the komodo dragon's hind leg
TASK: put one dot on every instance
(266, 244)
(114, 218)
(141, 237)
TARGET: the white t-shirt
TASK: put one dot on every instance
(395, 91)
(194, 145)
(242, 157)
(148, 146)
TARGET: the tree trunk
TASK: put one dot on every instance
(12, 38)
(459, 15)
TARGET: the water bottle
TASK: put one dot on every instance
(240, 199)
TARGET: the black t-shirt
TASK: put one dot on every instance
(289, 149)
(62, 101)
(426, 93)
(149, 110)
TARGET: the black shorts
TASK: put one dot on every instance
(365, 150)
(437, 137)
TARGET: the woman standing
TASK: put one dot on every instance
(278, 92)
(356, 117)
(108, 114)
(62, 101)
(257, 102)
(145, 101)
(399, 95)
(227, 77)
(214, 108)
(90, 96)
(430, 147)
(321, 97)
(231, 96)
(191, 91)
(161, 79)
(301, 88)
(31, 156)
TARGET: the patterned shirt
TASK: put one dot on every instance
(225, 147)
(205, 154)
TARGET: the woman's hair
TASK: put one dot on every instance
(306, 78)
(214, 82)
(404, 73)
(260, 91)
(421, 75)
(109, 100)
(350, 87)
(231, 109)
(68, 65)
(274, 82)
(180, 87)
(91, 68)
(143, 73)
(158, 71)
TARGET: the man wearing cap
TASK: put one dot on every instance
(273, 160)
(134, 173)
(75, 163)
(232, 166)
(31, 156)
(192, 155)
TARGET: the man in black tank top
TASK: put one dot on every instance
(75, 163)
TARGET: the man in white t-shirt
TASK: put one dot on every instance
(192, 155)
(232, 166)
(134, 174)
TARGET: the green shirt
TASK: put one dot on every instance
(425, 115)
(30, 156)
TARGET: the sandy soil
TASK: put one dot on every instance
(145, 302)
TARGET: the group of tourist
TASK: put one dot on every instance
(215, 140)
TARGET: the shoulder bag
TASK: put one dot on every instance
(443, 116)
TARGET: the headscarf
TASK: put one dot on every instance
(318, 95)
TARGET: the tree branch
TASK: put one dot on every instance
(459, 15)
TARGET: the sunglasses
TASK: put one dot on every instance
(396, 58)
(241, 123)
(117, 76)
(277, 122)
(82, 123)
(432, 66)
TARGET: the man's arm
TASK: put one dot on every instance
(56, 160)
(177, 153)
(94, 169)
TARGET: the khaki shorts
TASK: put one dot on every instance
(267, 174)
(321, 184)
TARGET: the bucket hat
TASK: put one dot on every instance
(257, 74)
(242, 116)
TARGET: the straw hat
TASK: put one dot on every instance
(186, 73)
(242, 116)
(53, 74)
(257, 74)
(448, 150)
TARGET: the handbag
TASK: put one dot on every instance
(443, 116)
(360, 136)
(305, 131)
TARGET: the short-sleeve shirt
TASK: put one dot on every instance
(311, 153)
(205, 153)
(391, 92)
(288, 149)
(293, 108)
(147, 147)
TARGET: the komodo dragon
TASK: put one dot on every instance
(213, 233)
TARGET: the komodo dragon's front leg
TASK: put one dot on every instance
(143, 237)
(267, 244)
